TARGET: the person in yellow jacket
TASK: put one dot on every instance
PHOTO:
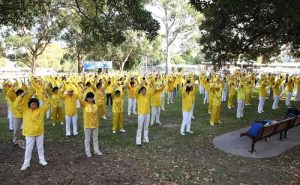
(33, 128)
(143, 97)
(206, 85)
(10, 97)
(211, 94)
(231, 94)
(187, 107)
(297, 85)
(56, 106)
(100, 100)
(109, 90)
(216, 106)
(155, 103)
(117, 110)
(70, 101)
(289, 91)
(162, 95)
(241, 97)
(131, 86)
(248, 90)
(276, 94)
(262, 95)
(170, 89)
(18, 116)
(90, 123)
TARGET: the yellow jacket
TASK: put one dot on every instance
(109, 89)
(241, 93)
(90, 115)
(70, 104)
(187, 100)
(155, 97)
(56, 101)
(131, 91)
(276, 89)
(262, 89)
(33, 120)
(117, 103)
(18, 106)
(100, 97)
(143, 103)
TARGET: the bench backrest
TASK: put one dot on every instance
(284, 124)
(297, 121)
(268, 130)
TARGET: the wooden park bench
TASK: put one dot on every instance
(281, 127)
(295, 123)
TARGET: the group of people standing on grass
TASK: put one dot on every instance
(61, 97)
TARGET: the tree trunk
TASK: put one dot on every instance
(79, 69)
(33, 64)
(126, 59)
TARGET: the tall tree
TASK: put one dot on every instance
(130, 53)
(248, 28)
(180, 23)
(31, 40)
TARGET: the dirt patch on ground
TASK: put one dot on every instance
(3, 110)
(68, 165)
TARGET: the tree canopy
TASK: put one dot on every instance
(83, 24)
(236, 28)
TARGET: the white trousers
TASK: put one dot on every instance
(276, 102)
(131, 105)
(77, 104)
(186, 122)
(297, 95)
(240, 108)
(201, 89)
(18, 125)
(155, 114)
(143, 121)
(30, 141)
(288, 99)
(88, 134)
(10, 119)
(170, 97)
(224, 95)
(206, 97)
(261, 103)
(68, 124)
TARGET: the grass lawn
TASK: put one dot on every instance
(191, 159)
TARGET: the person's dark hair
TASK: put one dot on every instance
(188, 81)
(88, 84)
(117, 92)
(19, 92)
(33, 100)
(131, 83)
(99, 85)
(188, 88)
(55, 89)
(90, 95)
(142, 88)
(109, 82)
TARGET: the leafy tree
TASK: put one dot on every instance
(180, 22)
(51, 57)
(31, 40)
(248, 28)
(129, 53)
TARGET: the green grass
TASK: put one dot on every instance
(190, 159)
